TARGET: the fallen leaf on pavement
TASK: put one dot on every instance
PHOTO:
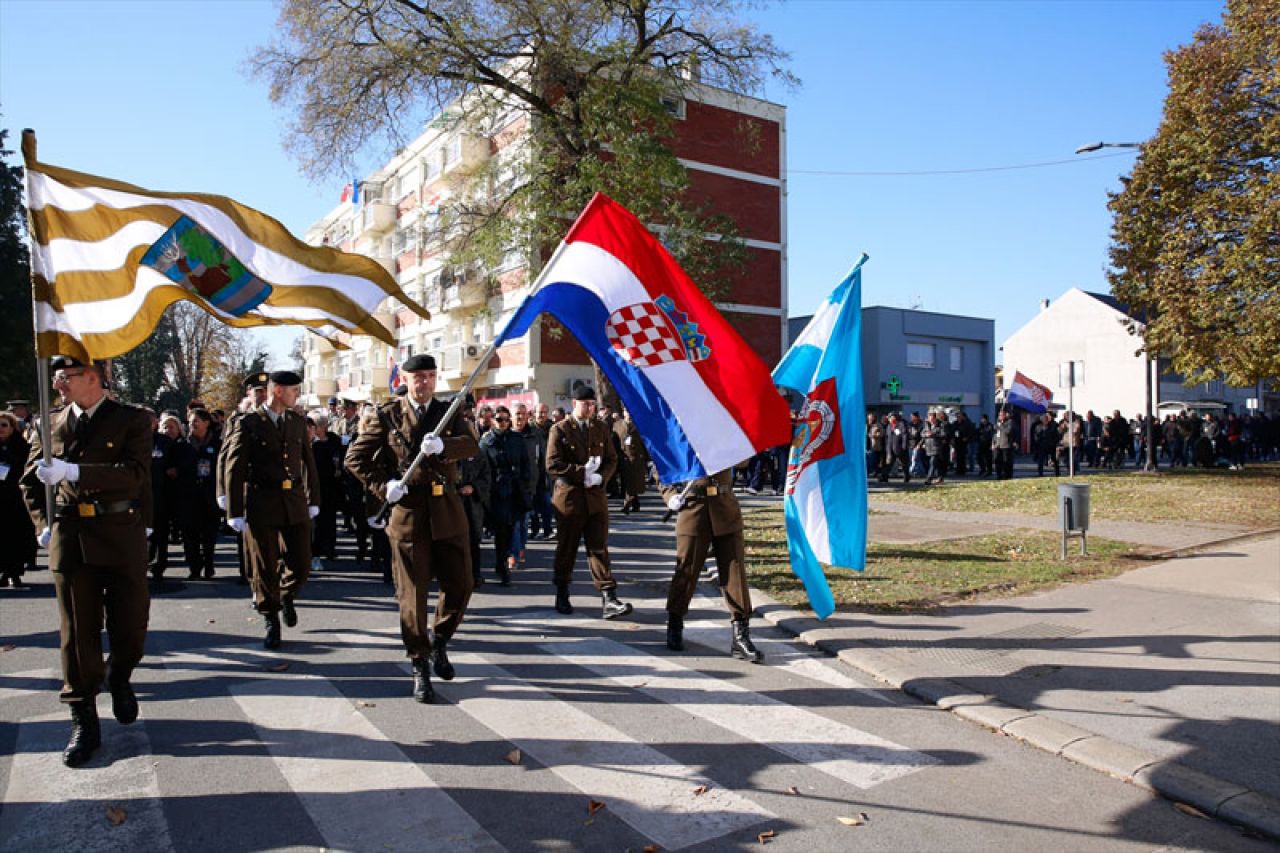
(116, 815)
(514, 756)
(700, 790)
(8, 647)
(650, 848)
(764, 837)
(857, 820)
(213, 621)
(594, 806)
(793, 791)
(1191, 810)
(363, 704)
(279, 667)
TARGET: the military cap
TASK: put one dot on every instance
(256, 380)
(285, 377)
(62, 362)
(13, 404)
(421, 361)
(333, 401)
(346, 403)
(584, 392)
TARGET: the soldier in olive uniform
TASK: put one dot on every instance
(273, 493)
(709, 520)
(428, 525)
(581, 457)
(97, 540)
(633, 466)
(255, 388)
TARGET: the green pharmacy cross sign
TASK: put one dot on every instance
(894, 385)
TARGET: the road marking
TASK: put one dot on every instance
(51, 807)
(648, 790)
(781, 654)
(37, 681)
(853, 756)
(323, 746)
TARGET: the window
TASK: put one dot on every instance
(957, 358)
(920, 355)
(674, 105)
(432, 164)
(477, 329)
(452, 152)
(455, 334)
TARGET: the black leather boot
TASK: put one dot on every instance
(290, 613)
(675, 632)
(440, 658)
(86, 733)
(563, 605)
(742, 647)
(613, 608)
(271, 640)
(422, 691)
(124, 704)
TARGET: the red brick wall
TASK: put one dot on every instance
(711, 134)
(755, 208)
(561, 349)
(762, 334)
(511, 354)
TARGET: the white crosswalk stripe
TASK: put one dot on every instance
(360, 789)
(854, 756)
(645, 788)
(48, 806)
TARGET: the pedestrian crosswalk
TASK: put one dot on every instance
(361, 789)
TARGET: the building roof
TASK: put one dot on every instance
(1111, 302)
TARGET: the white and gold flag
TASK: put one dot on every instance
(108, 258)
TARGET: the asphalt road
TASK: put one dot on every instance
(558, 733)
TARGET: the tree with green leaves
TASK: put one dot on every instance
(17, 330)
(586, 84)
(1196, 236)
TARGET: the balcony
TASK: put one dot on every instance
(458, 360)
(323, 387)
(377, 217)
(464, 295)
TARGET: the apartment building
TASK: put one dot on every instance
(392, 216)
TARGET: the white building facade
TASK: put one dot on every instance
(1090, 329)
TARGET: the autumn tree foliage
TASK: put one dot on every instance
(1196, 234)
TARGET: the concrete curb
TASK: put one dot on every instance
(1190, 550)
(1212, 796)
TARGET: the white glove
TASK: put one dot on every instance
(432, 444)
(54, 471)
(396, 489)
(675, 503)
(149, 532)
(43, 539)
(376, 523)
(222, 502)
(592, 479)
(313, 511)
(236, 524)
(593, 464)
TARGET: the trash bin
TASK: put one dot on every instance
(1073, 505)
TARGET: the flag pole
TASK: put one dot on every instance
(42, 363)
(461, 395)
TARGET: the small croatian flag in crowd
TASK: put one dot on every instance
(1028, 395)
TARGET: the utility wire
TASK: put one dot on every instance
(959, 171)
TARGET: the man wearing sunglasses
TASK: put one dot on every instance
(97, 539)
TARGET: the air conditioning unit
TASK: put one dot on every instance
(473, 351)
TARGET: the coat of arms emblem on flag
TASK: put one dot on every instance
(192, 257)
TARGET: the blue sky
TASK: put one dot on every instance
(154, 93)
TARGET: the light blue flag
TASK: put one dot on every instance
(826, 493)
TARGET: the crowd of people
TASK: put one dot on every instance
(950, 443)
(419, 491)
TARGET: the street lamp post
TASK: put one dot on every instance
(1151, 369)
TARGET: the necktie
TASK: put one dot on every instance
(82, 429)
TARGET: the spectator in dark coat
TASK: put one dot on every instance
(16, 530)
(509, 466)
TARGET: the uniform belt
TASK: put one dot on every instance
(275, 486)
(572, 484)
(426, 488)
(92, 509)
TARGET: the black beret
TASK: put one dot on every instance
(421, 361)
(285, 377)
(256, 380)
(62, 362)
(584, 392)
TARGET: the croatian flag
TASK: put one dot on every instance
(701, 399)
(1028, 395)
(393, 374)
(826, 492)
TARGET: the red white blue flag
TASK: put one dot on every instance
(1028, 395)
(701, 398)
